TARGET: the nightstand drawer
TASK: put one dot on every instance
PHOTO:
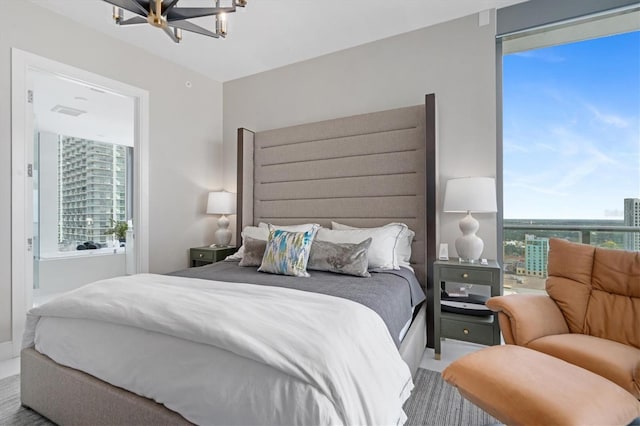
(468, 331)
(202, 255)
(464, 275)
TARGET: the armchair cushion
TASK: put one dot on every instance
(615, 361)
(520, 310)
(615, 298)
(596, 289)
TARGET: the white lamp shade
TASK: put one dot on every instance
(221, 202)
(470, 194)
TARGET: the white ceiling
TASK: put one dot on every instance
(269, 34)
(107, 117)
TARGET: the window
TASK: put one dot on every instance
(92, 190)
(571, 141)
(82, 187)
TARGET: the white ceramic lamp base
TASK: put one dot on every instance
(469, 246)
(222, 236)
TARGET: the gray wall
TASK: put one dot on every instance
(185, 132)
(454, 60)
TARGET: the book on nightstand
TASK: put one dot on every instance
(469, 304)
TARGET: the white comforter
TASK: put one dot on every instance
(320, 359)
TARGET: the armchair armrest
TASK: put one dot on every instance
(526, 317)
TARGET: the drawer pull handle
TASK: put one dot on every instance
(465, 331)
(465, 275)
(201, 255)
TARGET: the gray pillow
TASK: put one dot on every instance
(348, 259)
(253, 252)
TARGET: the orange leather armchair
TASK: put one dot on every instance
(591, 316)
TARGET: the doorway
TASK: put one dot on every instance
(82, 214)
(82, 184)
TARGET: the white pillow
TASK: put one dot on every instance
(261, 232)
(290, 228)
(254, 232)
(403, 248)
(381, 253)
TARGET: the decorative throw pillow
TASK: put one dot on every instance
(287, 253)
(348, 259)
(403, 246)
(381, 253)
(253, 252)
(254, 232)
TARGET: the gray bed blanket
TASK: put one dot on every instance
(392, 294)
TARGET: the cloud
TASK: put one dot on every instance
(614, 213)
(536, 188)
(544, 55)
(611, 119)
(573, 160)
(510, 146)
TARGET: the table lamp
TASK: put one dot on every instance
(466, 195)
(222, 203)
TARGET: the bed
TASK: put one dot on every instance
(362, 171)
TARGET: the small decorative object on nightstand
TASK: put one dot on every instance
(483, 329)
(200, 256)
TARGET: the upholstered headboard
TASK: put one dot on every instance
(365, 170)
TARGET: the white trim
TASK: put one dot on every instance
(21, 63)
(6, 351)
(141, 191)
(19, 291)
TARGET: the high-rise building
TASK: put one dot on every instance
(536, 256)
(91, 189)
(632, 218)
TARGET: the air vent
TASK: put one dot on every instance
(68, 110)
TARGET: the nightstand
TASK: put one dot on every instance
(477, 329)
(199, 256)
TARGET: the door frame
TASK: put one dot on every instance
(21, 220)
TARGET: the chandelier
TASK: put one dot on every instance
(172, 19)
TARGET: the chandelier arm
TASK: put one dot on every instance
(170, 33)
(188, 26)
(168, 7)
(182, 13)
(134, 21)
(133, 6)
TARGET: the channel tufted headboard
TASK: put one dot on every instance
(366, 170)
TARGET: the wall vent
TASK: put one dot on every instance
(68, 110)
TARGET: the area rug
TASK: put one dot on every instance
(435, 402)
(432, 402)
(11, 412)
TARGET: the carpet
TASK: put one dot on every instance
(435, 402)
(11, 412)
(432, 402)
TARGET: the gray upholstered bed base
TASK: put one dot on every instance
(70, 397)
(414, 342)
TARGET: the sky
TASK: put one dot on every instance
(571, 129)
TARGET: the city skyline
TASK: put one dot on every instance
(571, 128)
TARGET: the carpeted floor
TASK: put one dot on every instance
(432, 402)
(11, 412)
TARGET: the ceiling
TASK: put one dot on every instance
(268, 34)
(102, 116)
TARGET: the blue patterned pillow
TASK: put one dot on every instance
(287, 253)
